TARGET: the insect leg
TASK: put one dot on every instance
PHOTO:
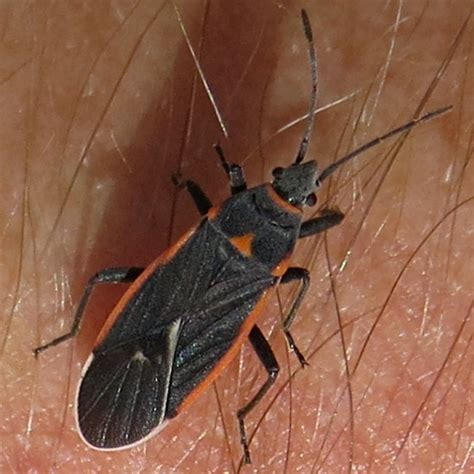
(199, 197)
(328, 219)
(267, 358)
(292, 274)
(109, 275)
(234, 172)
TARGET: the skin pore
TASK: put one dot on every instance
(102, 105)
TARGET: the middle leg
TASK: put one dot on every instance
(199, 197)
(295, 274)
(267, 358)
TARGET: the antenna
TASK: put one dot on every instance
(396, 131)
(314, 88)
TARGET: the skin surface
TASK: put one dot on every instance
(101, 105)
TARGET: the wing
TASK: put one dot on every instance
(121, 396)
(171, 334)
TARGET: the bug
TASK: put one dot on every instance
(185, 316)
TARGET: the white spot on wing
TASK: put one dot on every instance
(139, 356)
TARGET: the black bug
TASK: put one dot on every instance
(185, 316)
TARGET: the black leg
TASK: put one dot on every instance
(267, 358)
(109, 275)
(197, 194)
(328, 219)
(234, 172)
(292, 274)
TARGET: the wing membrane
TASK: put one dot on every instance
(123, 394)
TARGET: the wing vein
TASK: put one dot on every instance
(134, 402)
(108, 418)
(103, 391)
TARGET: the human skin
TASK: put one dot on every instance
(95, 100)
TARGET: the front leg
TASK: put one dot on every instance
(328, 219)
(235, 173)
(199, 197)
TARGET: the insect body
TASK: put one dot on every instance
(184, 317)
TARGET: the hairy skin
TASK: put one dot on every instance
(95, 104)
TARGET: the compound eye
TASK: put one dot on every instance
(311, 200)
(277, 172)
